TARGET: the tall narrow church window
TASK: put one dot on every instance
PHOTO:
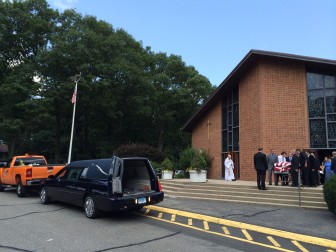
(321, 92)
(230, 121)
(230, 128)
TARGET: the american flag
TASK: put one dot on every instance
(74, 95)
(282, 166)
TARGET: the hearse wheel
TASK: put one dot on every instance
(21, 190)
(90, 208)
(45, 199)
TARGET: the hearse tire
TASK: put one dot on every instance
(1, 188)
(90, 208)
(44, 197)
(21, 190)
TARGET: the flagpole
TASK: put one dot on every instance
(73, 119)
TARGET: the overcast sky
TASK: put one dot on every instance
(214, 35)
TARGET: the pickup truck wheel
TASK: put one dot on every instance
(21, 190)
(90, 208)
(45, 198)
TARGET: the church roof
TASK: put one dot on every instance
(233, 78)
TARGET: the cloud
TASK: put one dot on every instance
(64, 4)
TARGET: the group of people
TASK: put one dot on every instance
(303, 165)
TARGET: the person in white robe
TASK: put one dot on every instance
(229, 176)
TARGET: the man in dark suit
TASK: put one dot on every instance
(304, 167)
(260, 164)
(295, 171)
(311, 170)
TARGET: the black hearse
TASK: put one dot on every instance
(104, 185)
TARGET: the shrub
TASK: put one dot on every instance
(205, 155)
(186, 157)
(329, 191)
(167, 165)
(191, 158)
(157, 167)
(139, 150)
(201, 161)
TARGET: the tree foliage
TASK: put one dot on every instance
(126, 93)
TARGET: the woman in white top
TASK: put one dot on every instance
(281, 157)
(229, 176)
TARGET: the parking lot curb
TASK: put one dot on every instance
(265, 230)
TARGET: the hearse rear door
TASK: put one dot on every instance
(116, 174)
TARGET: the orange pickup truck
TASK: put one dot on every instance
(25, 172)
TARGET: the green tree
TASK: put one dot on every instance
(180, 90)
(25, 28)
(126, 93)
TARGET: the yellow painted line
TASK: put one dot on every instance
(147, 211)
(226, 231)
(219, 234)
(241, 225)
(330, 250)
(160, 215)
(247, 235)
(173, 217)
(189, 222)
(274, 242)
(206, 225)
(303, 249)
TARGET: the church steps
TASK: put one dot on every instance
(311, 198)
(233, 185)
(274, 190)
(250, 202)
(249, 199)
(249, 192)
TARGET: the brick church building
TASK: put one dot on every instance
(269, 100)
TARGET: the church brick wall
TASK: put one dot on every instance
(272, 114)
(273, 111)
(214, 144)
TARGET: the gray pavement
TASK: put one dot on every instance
(319, 223)
(27, 225)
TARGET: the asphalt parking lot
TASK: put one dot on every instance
(27, 225)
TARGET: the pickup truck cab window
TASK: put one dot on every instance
(9, 163)
(29, 161)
